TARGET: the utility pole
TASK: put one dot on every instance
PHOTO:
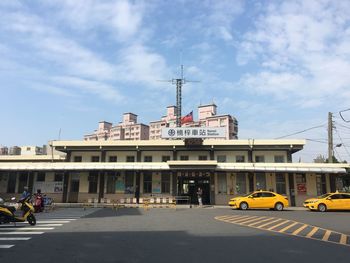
(330, 138)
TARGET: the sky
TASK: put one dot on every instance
(278, 67)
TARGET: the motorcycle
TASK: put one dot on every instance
(7, 213)
(38, 203)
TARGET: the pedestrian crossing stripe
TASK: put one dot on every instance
(287, 227)
(22, 228)
(6, 246)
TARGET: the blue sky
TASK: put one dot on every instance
(279, 67)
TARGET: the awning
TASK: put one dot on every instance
(175, 165)
(282, 167)
(81, 166)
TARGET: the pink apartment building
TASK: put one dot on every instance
(128, 129)
(207, 117)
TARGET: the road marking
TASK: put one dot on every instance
(6, 246)
(256, 223)
(53, 222)
(326, 235)
(237, 218)
(14, 238)
(21, 233)
(312, 232)
(242, 219)
(269, 223)
(26, 228)
(288, 227)
(49, 225)
(300, 229)
(275, 226)
(343, 239)
(252, 220)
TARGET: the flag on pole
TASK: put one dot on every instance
(187, 118)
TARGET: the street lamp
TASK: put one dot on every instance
(336, 146)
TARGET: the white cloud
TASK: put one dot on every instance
(302, 46)
(139, 64)
(122, 18)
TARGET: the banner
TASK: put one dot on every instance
(193, 132)
(48, 187)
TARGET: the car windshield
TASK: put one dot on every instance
(323, 196)
(247, 194)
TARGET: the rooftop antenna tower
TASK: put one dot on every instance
(179, 82)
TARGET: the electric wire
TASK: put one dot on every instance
(315, 127)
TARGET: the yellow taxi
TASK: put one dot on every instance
(260, 199)
(329, 201)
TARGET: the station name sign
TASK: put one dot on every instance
(193, 132)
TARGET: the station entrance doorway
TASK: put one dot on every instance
(188, 186)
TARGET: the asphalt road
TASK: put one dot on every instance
(169, 235)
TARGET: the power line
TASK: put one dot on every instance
(319, 141)
(319, 126)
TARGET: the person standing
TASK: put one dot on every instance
(200, 195)
(137, 194)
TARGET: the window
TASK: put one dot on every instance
(279, 159)
(257, 195)
(165, 182)
(58, 177)
(165, 158)
(11, 184)
(202, 157)
(95, 159)
(240, 159)
(259, 158)
(222, 182)
(40, 177)
(221, 158)
(265, 194)
(130, 159)
(147, 182)
(241, 185)
(92, 178)
(260, 181)
(78, 159)
(111, 180)
(184, 157)
(113, 159)
(280, 183)
(129, 182)
(147, 159)
(321, 184)
(336, 196)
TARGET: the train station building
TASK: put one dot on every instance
(78, 171)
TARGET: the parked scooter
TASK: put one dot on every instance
(38, 202)
(7, 213)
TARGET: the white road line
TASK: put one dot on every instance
(14, 238)
(6, 246)
(26, 228)
(50, 222)
(21, 233)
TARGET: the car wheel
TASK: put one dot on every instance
(322, 208)
(243, 206)
(278, 206)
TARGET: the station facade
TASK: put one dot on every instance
(115, 170)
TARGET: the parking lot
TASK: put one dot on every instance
(173, 235)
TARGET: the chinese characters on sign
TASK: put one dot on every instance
(197, 132)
